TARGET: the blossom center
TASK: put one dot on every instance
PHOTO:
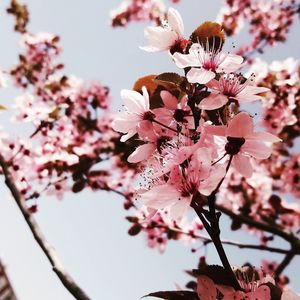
(234, 145)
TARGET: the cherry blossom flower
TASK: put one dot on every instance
(162, 38)
(138, 112)
(209, 62)
(243, 142)
(228, 87)
(183, 183)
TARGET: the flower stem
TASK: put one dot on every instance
(210, 220)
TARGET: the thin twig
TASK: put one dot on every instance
(274, 229)
(64, 277)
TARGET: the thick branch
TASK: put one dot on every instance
(64, 277)
(285, 262)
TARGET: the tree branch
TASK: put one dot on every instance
(285, 262)
(274, 229)
(64, 277)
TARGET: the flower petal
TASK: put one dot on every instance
(240, 126)
(141, 153)
(213, 101)
(175, 21)
(264, 136)
(185, 60)
(249, 93)
(243, 165)
(201, 76)
(256, 149)
(125, 121)
(160, 196)
(169, 100)
(134, 101)
(230, 63)
(208, 185)
(206, 288)
(159, 38)
(179, 208)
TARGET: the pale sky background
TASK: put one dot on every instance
(88, 230)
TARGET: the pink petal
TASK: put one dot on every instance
(175, 21)
(213, 101)
(264, 136)
(179, 208)
(206, 288)
(141, 153)
(201, 76)
(219, 130)
(240, 126)
(262, 293)
(214, 85)
(243, 165)
(256, 149)
(146, 131)
(208, 185)
(249, 93)
(169, 100)
(226, 290)
(160, 196)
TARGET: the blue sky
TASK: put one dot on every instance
(88, 230)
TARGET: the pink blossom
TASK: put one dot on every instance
(243, 142)
(209, 60)
(228, 87)
(183, 182)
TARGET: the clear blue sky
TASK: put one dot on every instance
(88, 230)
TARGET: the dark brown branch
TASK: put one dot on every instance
(285, 262)
(64, 277)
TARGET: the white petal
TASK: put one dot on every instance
(185, 60)
(175, 21)
(134, 101)
(230, 63)
(201, 76)
(125, 121)
(160, 38)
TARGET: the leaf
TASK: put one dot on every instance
(169, 79)
(175, 295)
(209, 34)
(148, 82)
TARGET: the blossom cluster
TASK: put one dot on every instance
(195, 139)
(193, 134)
(70, 144)
(269, 21)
